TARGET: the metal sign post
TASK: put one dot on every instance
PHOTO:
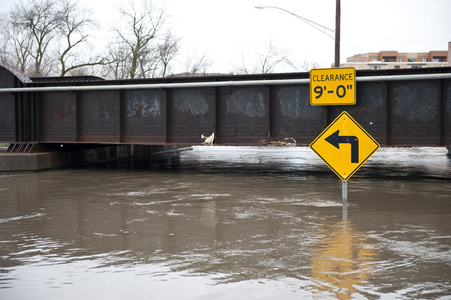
(344, 196)
(344, 146)
(344, 192)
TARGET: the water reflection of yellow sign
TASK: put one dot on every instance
(341, 260)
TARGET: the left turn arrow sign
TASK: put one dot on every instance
(335, 140)
(344, 130)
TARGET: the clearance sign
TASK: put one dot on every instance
(344, 145)
(334, 86)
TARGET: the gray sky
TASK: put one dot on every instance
(234, 30)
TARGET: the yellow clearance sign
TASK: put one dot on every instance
(344, 146)
(334, 86)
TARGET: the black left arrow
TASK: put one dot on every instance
(335, 140)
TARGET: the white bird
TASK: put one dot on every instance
(208, 139)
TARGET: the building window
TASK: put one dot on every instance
(425, 60)
(399, 59)
(437, 59)
(397, 67)
(373, 59)
(416, 67)
(375, 67)
(411, 60)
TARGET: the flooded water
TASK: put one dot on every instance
(230, 223)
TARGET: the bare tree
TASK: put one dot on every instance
(16, 45)
(244, 68)
(198, 64)
(266, 61)
(43, 37)
(41, 18)
(116, 65)
(167, 51)
(74, 22)
(308, 65)
(273, 57)
(39, 35)
(142, 25)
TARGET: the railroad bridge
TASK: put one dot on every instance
(397, 107)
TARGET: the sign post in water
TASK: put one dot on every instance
(336, 86)
(344, 146)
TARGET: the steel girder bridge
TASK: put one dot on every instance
(397, 107)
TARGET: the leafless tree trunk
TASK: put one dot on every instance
(41, 18)
(271, 58)
(74, 22)
(16, 46)
(116, 66)
(43, 37)
(39, 35)
(142, 25)
(167, 51)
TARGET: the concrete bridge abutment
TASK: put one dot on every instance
(35, 161)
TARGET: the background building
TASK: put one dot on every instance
(399, 60)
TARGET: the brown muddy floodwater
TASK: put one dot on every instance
(230, 223)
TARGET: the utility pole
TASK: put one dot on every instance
(337, 35)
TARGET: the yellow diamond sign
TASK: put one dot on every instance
(344, 146)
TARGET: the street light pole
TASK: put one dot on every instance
(337, 34)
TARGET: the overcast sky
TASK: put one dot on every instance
(229, 31)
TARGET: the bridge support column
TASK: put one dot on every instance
(449, 152)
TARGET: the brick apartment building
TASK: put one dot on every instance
(398, 60)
